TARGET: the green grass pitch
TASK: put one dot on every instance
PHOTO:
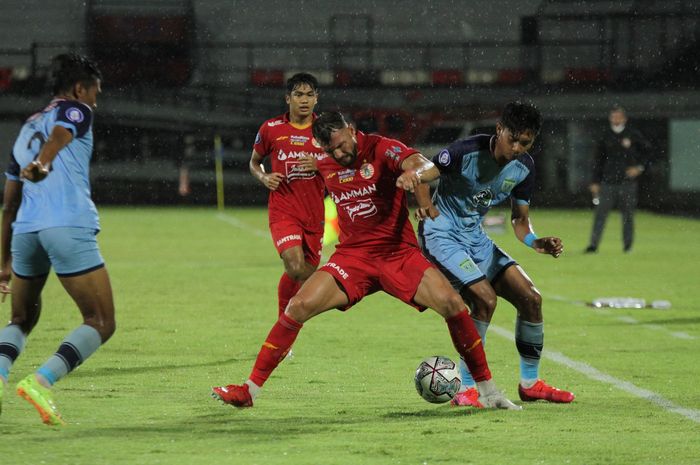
(196, 295)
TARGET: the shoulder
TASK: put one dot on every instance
(454, 153)
(73, 111)
(527, 160)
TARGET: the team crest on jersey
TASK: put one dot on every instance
(315, 143)
(444, 158)
(298, 140)
(367, 171)
(508, 185)
(75, 115)
(483, 198)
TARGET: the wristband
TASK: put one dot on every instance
(530, 239)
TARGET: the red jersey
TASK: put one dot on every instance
(372, 211)
(300, 194)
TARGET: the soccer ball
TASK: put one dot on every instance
(437, 379)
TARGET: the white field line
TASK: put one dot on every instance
(597, 375)
(235, 222)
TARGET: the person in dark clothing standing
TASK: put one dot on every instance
(622, 156)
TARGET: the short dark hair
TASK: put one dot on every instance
(325, 124)
(299, 79)
(518, 117)
(69, 69)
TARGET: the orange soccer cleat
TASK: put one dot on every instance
(543, 391)
(468, 398)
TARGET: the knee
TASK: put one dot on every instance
(484, 308)
(531, 307)
(450, 304)
(104, 326)
(298, 269)
(298, 309)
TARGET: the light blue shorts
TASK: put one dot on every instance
(71, 252)
(464, 259)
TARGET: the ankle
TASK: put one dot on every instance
(252, 388)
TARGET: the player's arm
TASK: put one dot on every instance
(418, 171)
(38, 169)
(270, 180)
(12, 196)
(520, 219)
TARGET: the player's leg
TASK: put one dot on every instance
(607, 201)
(628, 202)
(435, 291)
(518, 289)
(318, 294)
(26, 309)
(297, 257)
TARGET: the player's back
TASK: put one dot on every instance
(63, 198)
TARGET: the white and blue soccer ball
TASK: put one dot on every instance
(437, 379)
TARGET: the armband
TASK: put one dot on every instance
(530, 239)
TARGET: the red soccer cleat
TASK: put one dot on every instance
(233, 394)
(543, 391)
(468, 398)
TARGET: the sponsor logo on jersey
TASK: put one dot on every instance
(277, 122)
(346, 175)
(258, 138)
(396, 149)
(483, 198)
(331, 175)
(508, 185)
(295, 171)
(391, 155)
(444, 158)
(75, 115)
(282, 138)
(361, 209)
(353, 194)
(294, 155)
(337, 268)
(291, 237)
(315, 143)
(366, 171)
(298, 140)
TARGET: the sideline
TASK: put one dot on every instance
(235, 222)
(598, 375)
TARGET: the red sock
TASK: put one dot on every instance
(275, 348)
(286, 289)
(468, 343)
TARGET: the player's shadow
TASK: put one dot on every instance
(431, 413)
(675, 321)
(133, 370)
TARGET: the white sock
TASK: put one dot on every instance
(252, 388)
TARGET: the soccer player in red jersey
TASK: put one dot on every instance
(295, 202)
(366, 176)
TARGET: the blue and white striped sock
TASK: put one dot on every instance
(12, 341)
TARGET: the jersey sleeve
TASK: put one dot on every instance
(262, 141)
(394, 152)
(13, 169)
(74, 116)
(523, 191)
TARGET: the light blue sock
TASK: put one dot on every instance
(467, 380)
(529, 339)
(73, 351)
(12, 341)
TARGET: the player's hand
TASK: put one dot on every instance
(632, 172)
(408, 181)
(272, 180)
(35, 171)
(595, 189)
(308, 163)
(549, 245)
(427, 212)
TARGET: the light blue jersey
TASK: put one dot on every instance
(471, 182)
(63, 198)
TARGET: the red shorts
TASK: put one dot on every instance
(288, 233)
(361, 274)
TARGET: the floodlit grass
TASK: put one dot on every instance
(196, 295)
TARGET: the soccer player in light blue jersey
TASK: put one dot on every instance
(49, 220)
(475, 174)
